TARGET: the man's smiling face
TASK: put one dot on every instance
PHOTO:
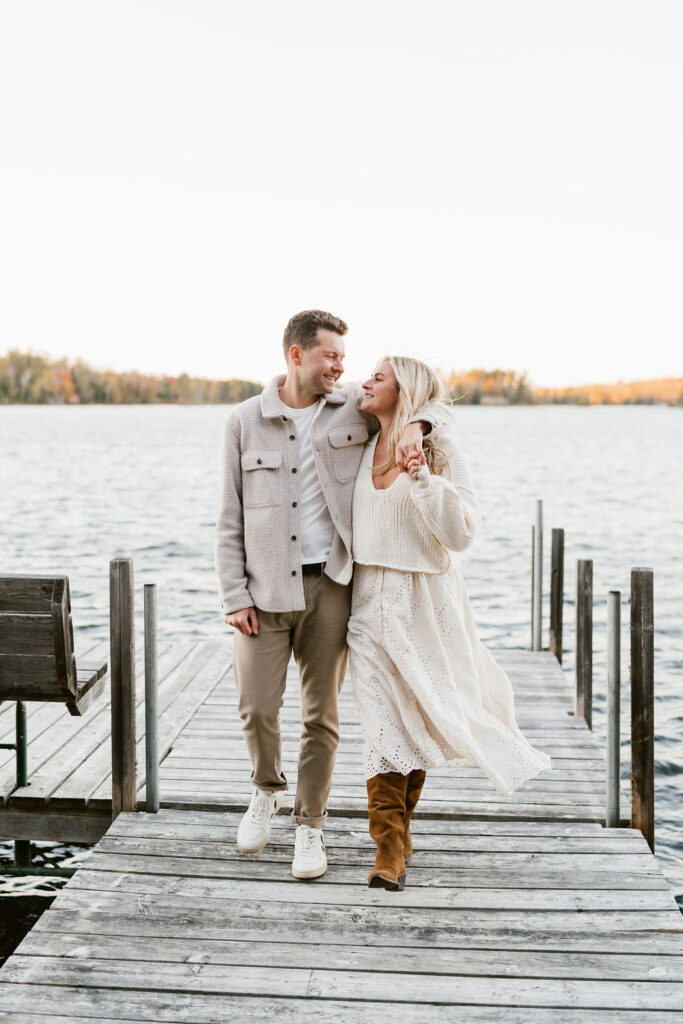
(322, 365)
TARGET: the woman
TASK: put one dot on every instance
(427, 691)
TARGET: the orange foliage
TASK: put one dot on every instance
(668, 390)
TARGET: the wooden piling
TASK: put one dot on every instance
(122, 668)
(151, 701)
(642, 704)
(537, 580)
(556, 593)
(613, 751)
(584, 640)
(533, 584)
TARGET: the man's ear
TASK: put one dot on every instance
(295, 354)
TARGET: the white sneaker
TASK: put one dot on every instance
(310, 859)
(254, 829)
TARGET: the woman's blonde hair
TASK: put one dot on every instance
(418, 385)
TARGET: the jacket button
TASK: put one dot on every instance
(293, 572)
(293, 504)
(348, 437)
(294, 470)
(259, 461)
(291, 437)
(293, 536)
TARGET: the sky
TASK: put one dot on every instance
(476, 183)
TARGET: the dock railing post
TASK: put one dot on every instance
(151, 704)
(122, 668)
(584, 640)
(612, 816)
(537, 579)
(642, 704)
(556, 593)
(22, 847)
(533, 580)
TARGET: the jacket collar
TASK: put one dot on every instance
(270, 404)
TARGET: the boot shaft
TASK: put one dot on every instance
(386, 813)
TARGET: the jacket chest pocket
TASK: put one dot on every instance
(261, 481)
(347, 448)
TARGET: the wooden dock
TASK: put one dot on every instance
(68, 796)
(521, 909)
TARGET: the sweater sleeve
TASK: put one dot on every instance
(446, 503)
(229, 552)
(428, 414)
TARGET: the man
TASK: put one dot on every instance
(283, 558)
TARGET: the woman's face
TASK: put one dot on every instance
(381, 390)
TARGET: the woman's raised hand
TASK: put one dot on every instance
(414, 464)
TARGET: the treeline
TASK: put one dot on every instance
(488, 387)
(30, 378)
(668, 391)
(508, 387)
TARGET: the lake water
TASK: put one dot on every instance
(82, 485)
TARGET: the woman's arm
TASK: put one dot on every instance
(446, 503)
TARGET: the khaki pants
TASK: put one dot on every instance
(317, 637)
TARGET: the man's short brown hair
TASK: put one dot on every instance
(303, 328)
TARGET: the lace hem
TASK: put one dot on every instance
(376, 764)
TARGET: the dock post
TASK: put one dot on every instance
(151, 703)
(584, 640)
(612, 816)
(122, 663)
(537, 580)
(22, 847)
(556, 593)
(642, 704)
(533, 579)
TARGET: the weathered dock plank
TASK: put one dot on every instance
(460, 959)
(210, 1009)
(332, 983)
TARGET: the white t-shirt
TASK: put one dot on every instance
(317, 528)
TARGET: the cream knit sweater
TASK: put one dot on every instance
(414, 525)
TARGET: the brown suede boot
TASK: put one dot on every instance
(386, 809)
(416, 781)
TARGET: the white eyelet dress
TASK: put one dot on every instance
(428, 692)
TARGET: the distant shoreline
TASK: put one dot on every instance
(55, 403)
(27, 378)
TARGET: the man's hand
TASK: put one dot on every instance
(410, 446)
(245, 620)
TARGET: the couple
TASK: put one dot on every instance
(321, 484)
